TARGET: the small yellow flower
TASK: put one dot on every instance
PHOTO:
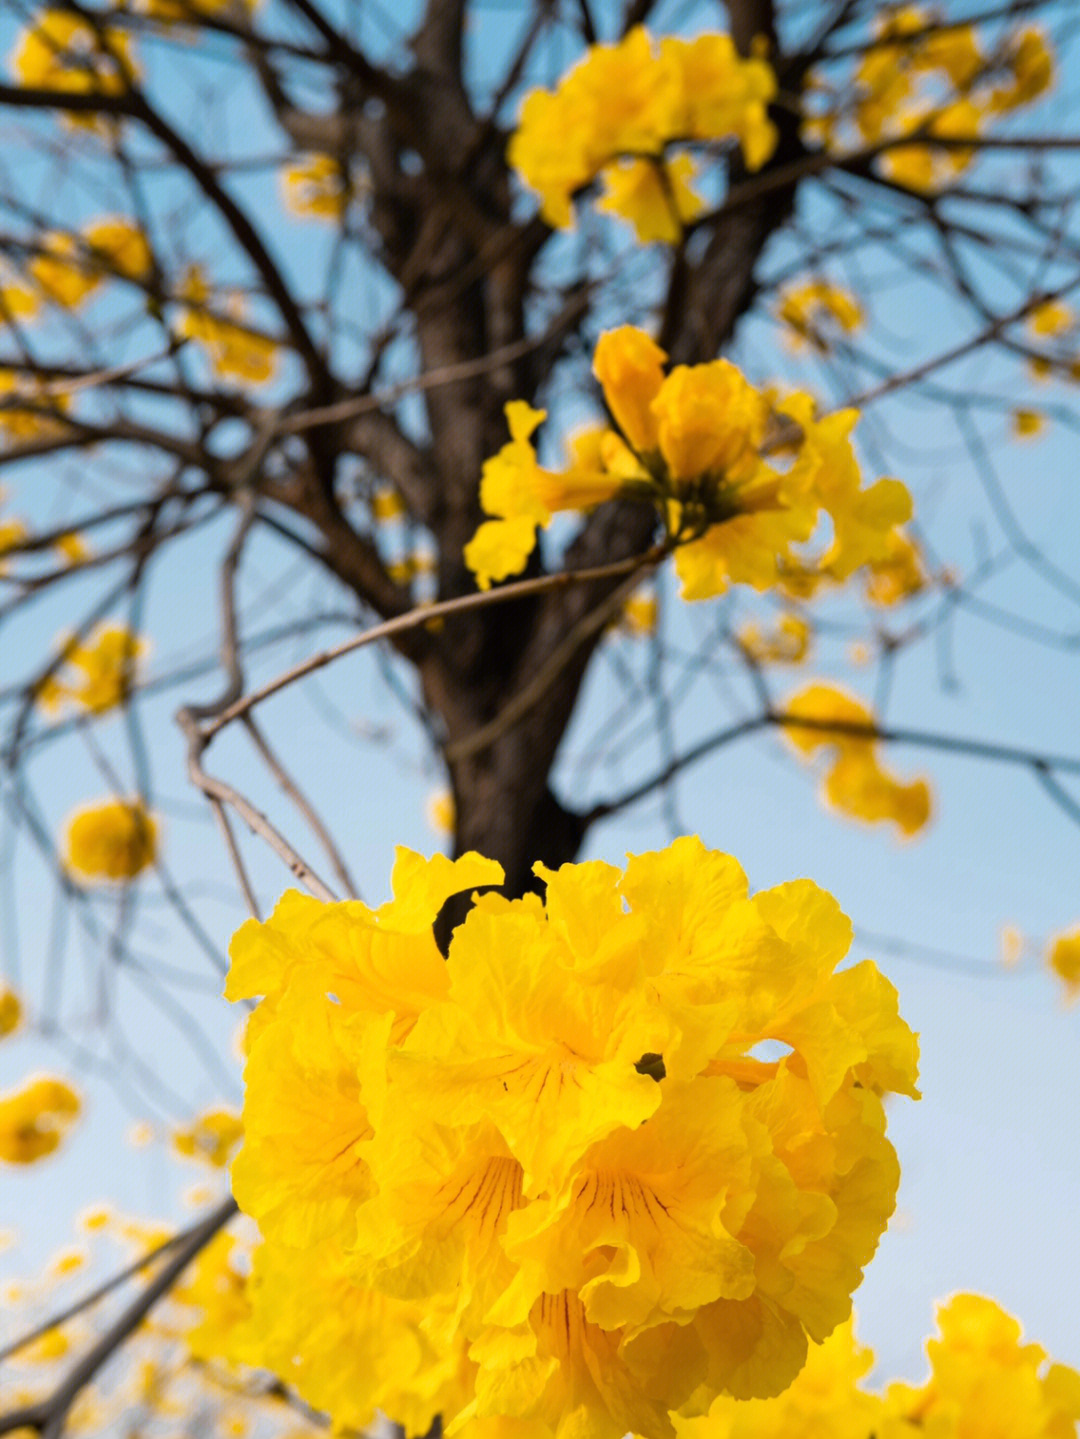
(1063, 958)
(213, 1137)
(787, 643)
(1028, 424)
(11, 1011)
(441, 812)
(855, 782)
(60, 50)
(317, 185)
(112, 841)
(815, 310)
(35, 1118)
(98, 675)
(235, 350)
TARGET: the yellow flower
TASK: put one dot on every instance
(655, 196)
(561, 1163)
(984, 1381)
(28, 411)
(625, 102)
(440, 812)
(61, 270)
(96, 676)
(639, 614)
(690, 443)
(72, 547)
(61, 50)
(112, 841)
(787, 643)
(11, 1011)
(811, 310)
(35, 1118)
(1064, 959)
(855, 783)
(1051, 318)
(211, 1137)
(898, 574)
(234, 349)
(317, 185)
(1028, 424)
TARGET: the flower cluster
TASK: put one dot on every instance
(62, 50)
(815, 311)
(96, 676)
(627, 113)
(921, 78)
(112, 841)
(691, 442)
(317, 185)
(70, 267)
(621, 1152)
(855, 782)
(1063, 957)
(984, 1384)
(233, 348)
(35, 1117)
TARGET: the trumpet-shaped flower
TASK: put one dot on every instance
(692, 443)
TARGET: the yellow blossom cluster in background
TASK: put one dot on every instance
(787, 642)
(61, 50)
(112, 841)
(318, 186)
(29, 409)
(983, 1384)
(627, 113)
(211, 1137)
(855, 783)
(815, 311)
(1063, 957)
(622, 1151)
(96, 676)
(920, 78)
(69, 267)
(35, 1117)
(163, 1381)
(233, 348)
(691, 442)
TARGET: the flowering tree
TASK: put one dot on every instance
(501, 347)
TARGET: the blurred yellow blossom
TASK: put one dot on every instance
(1063, 958)
(234, 349)
(786, 643)
(919, 78)
(97, 675)
(212, 1137)
(11, 1011)
(317, 185)
(61, 50)
(815, 311)
(35, 1118)
(441, 812)
(1028, 424)
(113, 841)
(855, 782)
(619, 111)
